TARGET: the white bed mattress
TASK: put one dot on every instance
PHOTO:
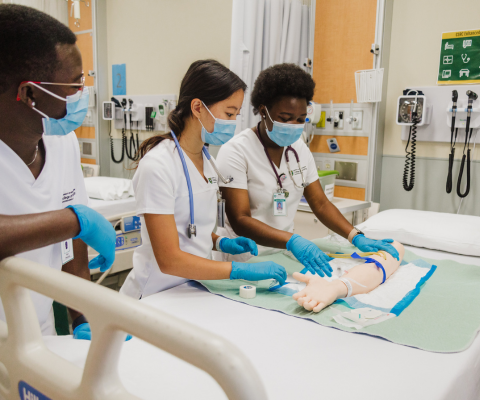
(113, 208)
(296, 358)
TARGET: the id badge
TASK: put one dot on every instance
(67, 251)
(279, 204)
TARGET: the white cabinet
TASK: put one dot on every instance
(307, 225)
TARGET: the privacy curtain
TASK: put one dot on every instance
(56, 8)
(264, 33)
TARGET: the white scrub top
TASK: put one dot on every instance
(161, 188)
(59, 185)
(244, 158)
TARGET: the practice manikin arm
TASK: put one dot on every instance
(320, 293)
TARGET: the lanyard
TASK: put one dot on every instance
(268, 156)
(289, 148)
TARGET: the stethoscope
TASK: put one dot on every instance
(192, 229)
(304, 183)
(289, 148)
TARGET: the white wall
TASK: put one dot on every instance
(159, 39)
(417, 28)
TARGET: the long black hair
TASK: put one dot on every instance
(207, 80)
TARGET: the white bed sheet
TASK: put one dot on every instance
(443, 255)
(112, 208)
(296, 358)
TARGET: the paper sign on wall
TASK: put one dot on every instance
(119, 79)
(459, 58)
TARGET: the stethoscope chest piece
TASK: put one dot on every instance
(192, 230)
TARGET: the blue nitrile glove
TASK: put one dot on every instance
(310, 255)
(97, 233)
(258, 271)
(81, 329)
(239, 245)
(367, 245)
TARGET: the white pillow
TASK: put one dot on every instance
(433, 230)
(106, 188)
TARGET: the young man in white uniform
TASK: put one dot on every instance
(42, 173)
(257, 161)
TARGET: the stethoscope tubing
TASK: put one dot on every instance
(187, 177)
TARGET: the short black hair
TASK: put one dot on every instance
(281, 80)
(28, 40)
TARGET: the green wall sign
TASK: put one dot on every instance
(459, 58)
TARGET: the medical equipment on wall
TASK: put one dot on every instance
(333, 145)
(452, 141)
(146, 112)
(461, 113)
(137, 113)
(412, 110)
(368, 84)
(332, 118)
(192, 229)
(75, 11)
(124, 112)
(108, 108)
(472, 96)
(314, 113)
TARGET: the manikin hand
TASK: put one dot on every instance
(319, 293)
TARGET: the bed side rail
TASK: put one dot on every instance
(24, 356)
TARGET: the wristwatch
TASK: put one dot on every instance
(355, 231)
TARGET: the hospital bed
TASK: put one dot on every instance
(29, 370)
(295, 358)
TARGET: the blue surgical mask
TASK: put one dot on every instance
(223, 130)
(284, 134)
(77, 108)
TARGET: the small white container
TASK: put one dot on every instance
(327, 180)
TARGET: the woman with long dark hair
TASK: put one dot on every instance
(176, 190)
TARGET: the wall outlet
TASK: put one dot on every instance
(328, 165)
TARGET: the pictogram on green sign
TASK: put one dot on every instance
(459, 58)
